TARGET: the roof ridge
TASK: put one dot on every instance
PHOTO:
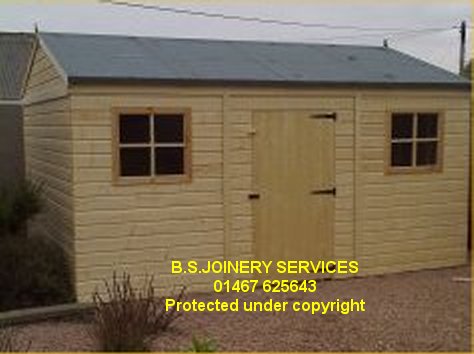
(201, 39)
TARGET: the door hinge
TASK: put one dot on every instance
(325, 191)
(331, 116)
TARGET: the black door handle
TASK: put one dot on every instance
(332, 116)
(325, 191)
(254, 196)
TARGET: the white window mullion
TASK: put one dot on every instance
(170, 145)
(427, 140)
(404, 140)
(134, 145)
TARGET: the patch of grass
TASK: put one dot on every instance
(127, 319)
(202, 345)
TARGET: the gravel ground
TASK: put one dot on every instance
(414, 311)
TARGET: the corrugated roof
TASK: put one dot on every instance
(105, 57)
(15, 54)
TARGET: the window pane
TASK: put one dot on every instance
(426, 153)
(401, 154)
(402, 125)
(134, 128)
(169, 128)
(135, 161)
(169, 160)
(427, 125)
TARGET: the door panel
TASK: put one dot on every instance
(293, 156)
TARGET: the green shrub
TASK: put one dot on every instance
(33, 272)
(18, 204)
(202, 345)
(126, 319)
(9, 341)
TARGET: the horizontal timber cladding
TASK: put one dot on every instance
(387, 222)
(49, 161)
(48, 150)
(44, 80)
(139, 228)
(142, 227)
(411, 221)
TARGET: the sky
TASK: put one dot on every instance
(390, 19)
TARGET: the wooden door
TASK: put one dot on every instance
(293, 177)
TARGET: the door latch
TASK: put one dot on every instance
(325, 191)
(332, 116)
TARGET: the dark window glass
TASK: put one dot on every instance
(401, 154)
(402, 125)
(426, 153)
(169, 128)
(427, 125)
(135, 161)
(134, 128)
(169, 160)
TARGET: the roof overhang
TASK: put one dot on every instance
(293, 84)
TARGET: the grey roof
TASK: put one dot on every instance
(106, 58)
(15, 54)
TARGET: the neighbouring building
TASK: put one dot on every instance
(15, 55)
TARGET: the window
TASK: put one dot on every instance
(415, 142)
(153, 145)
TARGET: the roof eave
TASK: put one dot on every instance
(74, 80)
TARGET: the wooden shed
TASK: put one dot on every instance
(156, 149)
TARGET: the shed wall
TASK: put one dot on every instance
(412, 221)
(48, 149)
(140, 228)
(45, 80)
